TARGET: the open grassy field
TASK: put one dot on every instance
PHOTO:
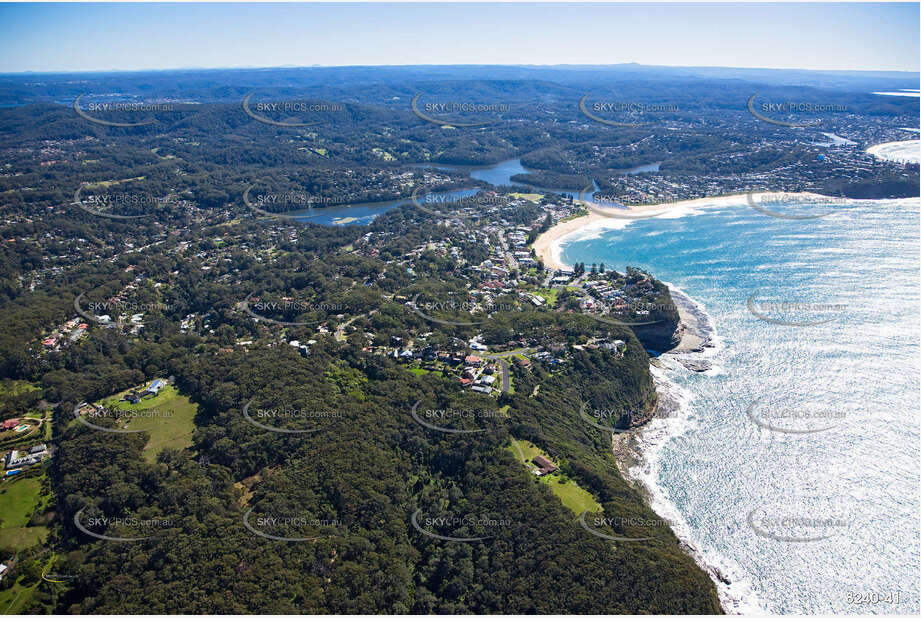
(19, 497)
(110, 183)
(22, 538)
(383, 154)
(570, 494)
(531, 197)
(169, 419)
(548, 294)
(527, 450)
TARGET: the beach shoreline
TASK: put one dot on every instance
(548, 245)
(646, 456)
(697, 335)
(636, 452)
(904, 151)
(641, 452)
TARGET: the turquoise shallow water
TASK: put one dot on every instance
(794, 465)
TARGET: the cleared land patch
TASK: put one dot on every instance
(567, 490)
(168, 418)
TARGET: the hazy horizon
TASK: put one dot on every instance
(78, 37)
(455, 65)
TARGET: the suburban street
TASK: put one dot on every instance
(506, 378)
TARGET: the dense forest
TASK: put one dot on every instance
(368, 469)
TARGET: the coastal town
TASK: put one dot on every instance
(505, 262)
(493, 256)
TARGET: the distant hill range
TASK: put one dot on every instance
(376, 85)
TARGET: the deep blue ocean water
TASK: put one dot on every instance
(793, 466)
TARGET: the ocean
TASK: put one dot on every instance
(792, 467)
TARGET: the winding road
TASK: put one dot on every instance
(506, 379)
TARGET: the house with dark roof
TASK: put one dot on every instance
(544, 465)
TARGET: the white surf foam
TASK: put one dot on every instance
(734, 590)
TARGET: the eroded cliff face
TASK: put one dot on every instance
(663, 331)
(661, 336)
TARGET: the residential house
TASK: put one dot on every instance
(17, 459)
(544, 465)
(155, 386)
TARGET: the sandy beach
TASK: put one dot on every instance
(908, 151)
(547, 245)
(694, 330)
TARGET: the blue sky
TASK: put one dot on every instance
(83, 37)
